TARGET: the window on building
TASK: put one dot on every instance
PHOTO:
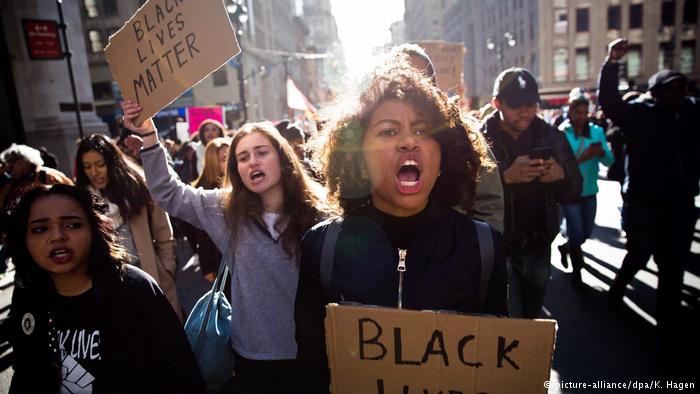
(95, 41)
(91, 8)
(582, 64)
(220, 77)
(636, 16)
(110, 7)
(668, 13)
(687, 60)
(690, 12)
(561, 65)
(561, 21)
(665, 56)
(614, 17)
(634, 61)
(582, 19)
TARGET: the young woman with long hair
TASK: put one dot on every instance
(82, 318)
(590, 147)
(396, 162)
(105, 171)
(215, 158)
(271, 202)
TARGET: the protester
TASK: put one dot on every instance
(488, 200)
(48, 157)
(663, 176)
(538, 170)
(82, 319)
(270, 204)
(297, 139)
(215, 158)
(25, 168)
(144, 227)
(395, 165)
(590, 147)
(207, 131)
(185, 163)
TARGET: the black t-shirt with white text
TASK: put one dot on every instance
(79, 341)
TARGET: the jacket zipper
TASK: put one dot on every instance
(401, 267)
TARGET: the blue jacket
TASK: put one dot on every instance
(589, 168)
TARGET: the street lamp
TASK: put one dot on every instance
(506, 41)
(239, 16)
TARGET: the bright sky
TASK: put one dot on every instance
(362, 26)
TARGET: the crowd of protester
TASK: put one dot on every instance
(409, 188)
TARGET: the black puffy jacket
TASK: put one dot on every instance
(564, 191)
(443, 267)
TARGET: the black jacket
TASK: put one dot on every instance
(662, 147)
(144, 348)
(442, 272)
(564, 191)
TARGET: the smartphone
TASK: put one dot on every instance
(541, 152)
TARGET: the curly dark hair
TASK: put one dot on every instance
(107, 255)
(339, 149)
(126, 184)
(303, 204)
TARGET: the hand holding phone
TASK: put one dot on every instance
(542, 153)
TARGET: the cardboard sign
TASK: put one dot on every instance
(43, 42)
(448, 61)
(195, 115)
(167, 47)
(387, 351)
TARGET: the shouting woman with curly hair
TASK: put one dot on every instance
(396, 164)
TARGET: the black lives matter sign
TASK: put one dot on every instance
(167, 47)
(387, 351)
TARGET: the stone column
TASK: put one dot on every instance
(44, 85)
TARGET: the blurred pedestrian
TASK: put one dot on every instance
(143, 226)
(207, 131)
(663, 179)
(269, 206)
(82, 319)
(213, 176)
(539, 171)
(590, 147)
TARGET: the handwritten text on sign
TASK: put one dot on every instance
(167, 47)
(447, 58)
(385, 351)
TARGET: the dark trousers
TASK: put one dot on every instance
(528, 275)
(261, 377)
(666, 232)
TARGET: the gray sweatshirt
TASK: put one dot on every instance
(264, 279)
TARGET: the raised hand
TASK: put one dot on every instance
(617, 49)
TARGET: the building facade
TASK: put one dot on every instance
(661, 33)
(424, 18)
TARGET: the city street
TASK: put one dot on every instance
(594, 343)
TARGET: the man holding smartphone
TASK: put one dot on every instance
(662, 142)
(538, 171)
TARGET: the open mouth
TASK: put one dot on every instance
(408, 177)
(256, 176)
(60, 255)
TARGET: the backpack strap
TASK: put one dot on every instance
(486, 249)
(328, 253)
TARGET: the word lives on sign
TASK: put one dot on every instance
(167, 47)
(375, 350)
(448, 61)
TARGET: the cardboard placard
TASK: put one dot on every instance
(167, 47)
(386, 351)
(448, 61)
(195, 115)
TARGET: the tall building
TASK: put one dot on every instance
(424, 18)
(37, 104)
(323, 38)
(398, 32)
(661, 33)
(101, 19)
(497, 35)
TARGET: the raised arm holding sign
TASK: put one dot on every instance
(167, 47)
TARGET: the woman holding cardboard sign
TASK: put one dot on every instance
(270, 204)
(395, 164)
